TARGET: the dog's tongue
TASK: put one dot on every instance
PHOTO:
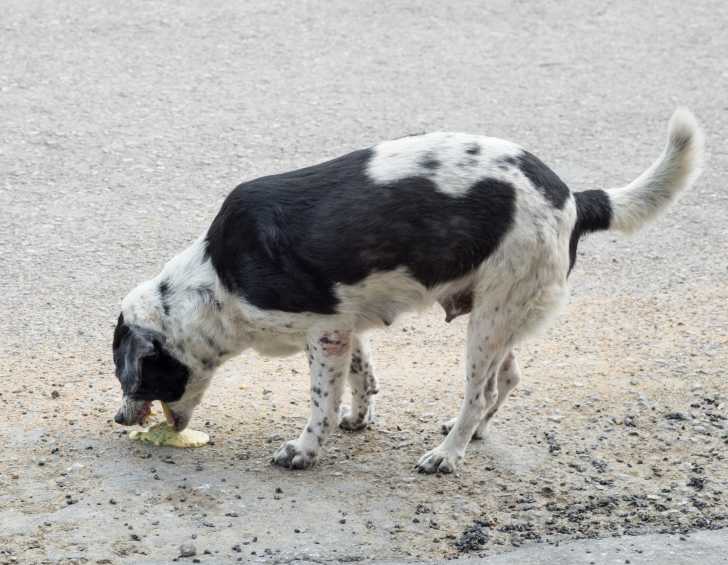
(167, 413)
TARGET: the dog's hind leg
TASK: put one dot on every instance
(502, 315)
(363, 386)
(490, 336)
(508, 377)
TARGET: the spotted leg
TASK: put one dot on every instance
(489, 340)
(329, 357)
(363, 386)
(508, 377)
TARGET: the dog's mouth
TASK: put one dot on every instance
(133, 412)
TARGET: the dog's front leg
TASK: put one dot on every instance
(363, 385)
(329, 356)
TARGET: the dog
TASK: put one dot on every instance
(312, 259)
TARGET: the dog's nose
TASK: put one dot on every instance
(119, 418)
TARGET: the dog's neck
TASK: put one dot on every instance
(201, 321)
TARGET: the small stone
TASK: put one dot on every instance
(698, 483)
(187, 550)
(55, 394)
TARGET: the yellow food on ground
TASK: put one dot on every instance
(163, 433)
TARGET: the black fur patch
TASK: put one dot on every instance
(430, 162)
(163, 294)
(680, 141)
(284, 241)
(144, 368)
(544, 179)
(472, 149)
(593, 213)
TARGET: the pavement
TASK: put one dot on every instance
(123, 125)
(706, 548)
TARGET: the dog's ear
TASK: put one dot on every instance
(163, 377)
(131, 345)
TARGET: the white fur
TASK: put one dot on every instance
(675, 170)
(402, 158)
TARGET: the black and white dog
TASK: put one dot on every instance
(311, 259)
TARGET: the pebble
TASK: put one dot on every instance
(187, 550)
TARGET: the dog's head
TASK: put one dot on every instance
(147, 371)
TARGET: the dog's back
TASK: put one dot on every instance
(431, 208)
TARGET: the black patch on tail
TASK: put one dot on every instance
(593, 213)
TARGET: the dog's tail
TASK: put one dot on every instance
(629, 207)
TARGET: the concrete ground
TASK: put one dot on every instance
(706, 548)
(125, 124)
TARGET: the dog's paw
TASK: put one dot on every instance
(353, 422)
(479, 432)
(292, 456)
(438, 461)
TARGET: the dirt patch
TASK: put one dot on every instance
(592, 445)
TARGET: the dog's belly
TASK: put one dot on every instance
(272, 344)
(381, 297)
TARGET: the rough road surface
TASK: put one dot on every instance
(124, 125)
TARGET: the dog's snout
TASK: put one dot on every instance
(119, 418)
